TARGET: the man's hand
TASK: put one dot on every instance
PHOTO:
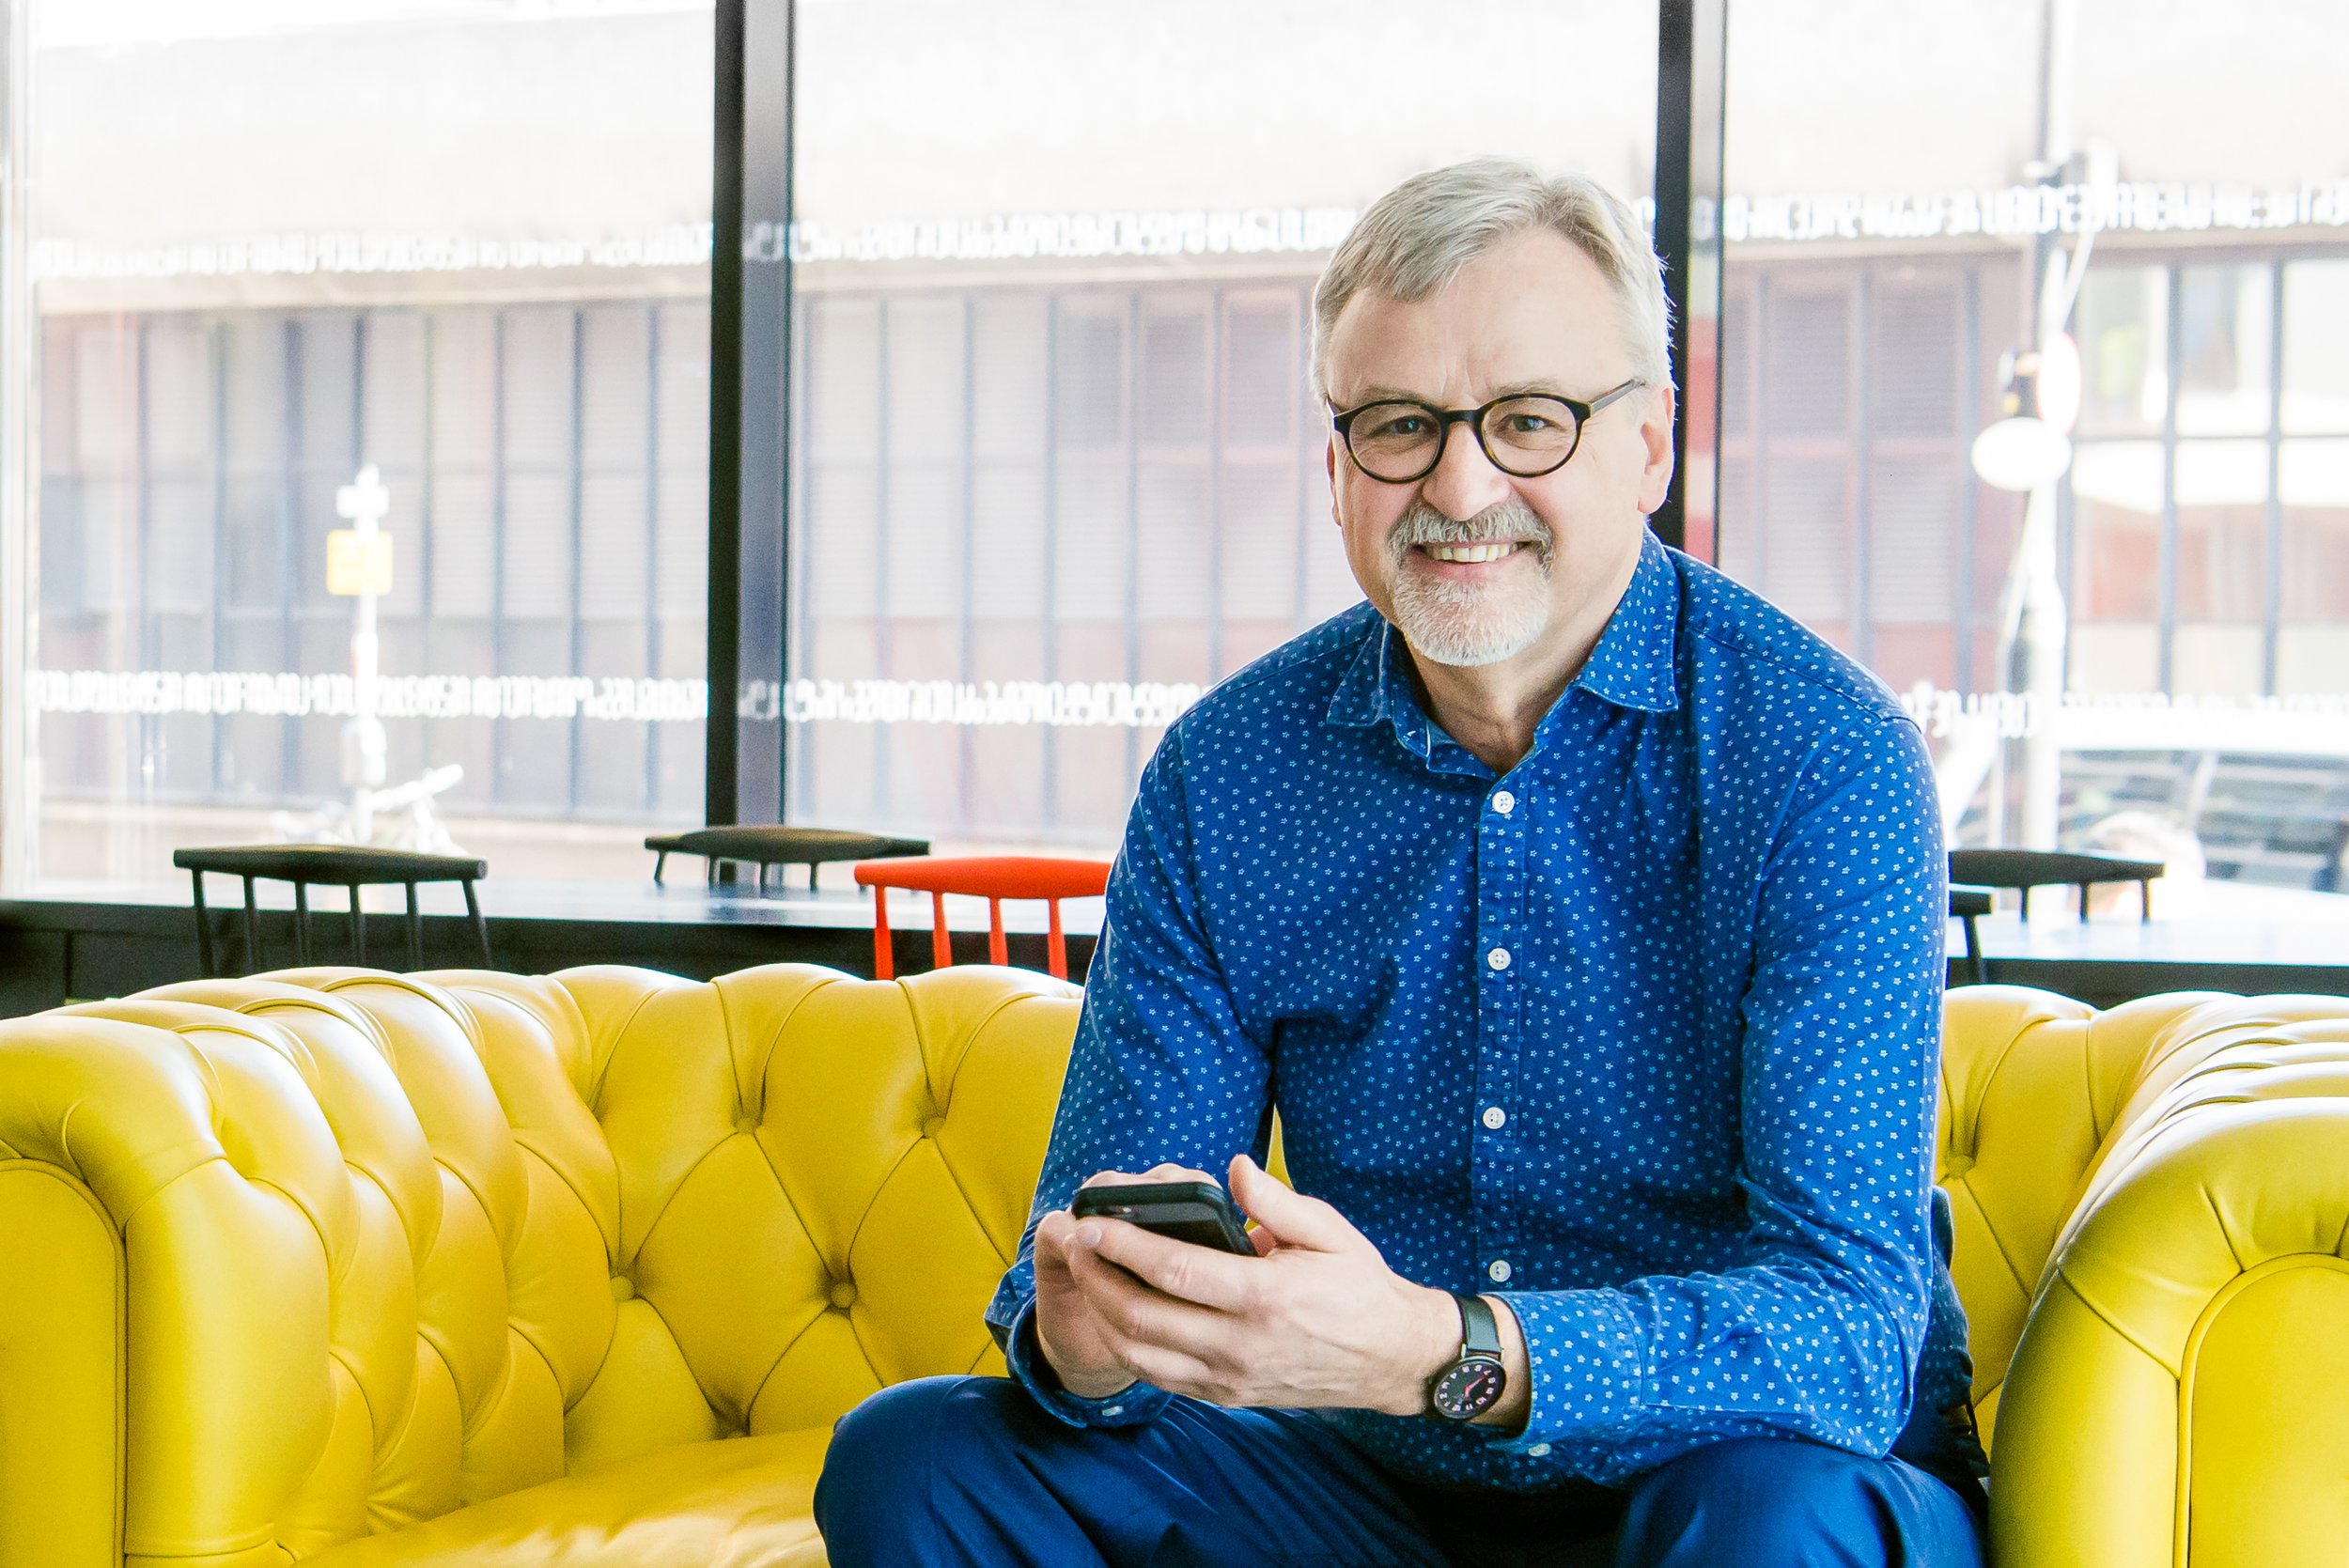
(1316, 1319)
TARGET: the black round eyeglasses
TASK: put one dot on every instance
(1525, 435)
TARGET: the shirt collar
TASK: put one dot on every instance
(1631, 666)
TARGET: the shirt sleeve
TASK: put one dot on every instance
(1815, 1333)
(1161, 1070)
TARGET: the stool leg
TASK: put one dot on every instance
(1056, 943)
(763, 869)
(810, 876)
(251, 932)
(659, 865)
(203, 925)
(2083, 903)
(1973, 950)
(480, 927)
(996, 952)
(301, 924)
(415, 931)
(2145, 902)
(358, 928)
(941, 952)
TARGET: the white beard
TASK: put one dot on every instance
(1452, 623)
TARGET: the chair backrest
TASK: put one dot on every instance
(993, 877)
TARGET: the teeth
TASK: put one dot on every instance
(1471, 553)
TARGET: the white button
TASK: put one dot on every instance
(1499, 1271)
(1114, 1410)
(1539, 1450)
(1503, 801)
(1497, 957)
(1495, 1117)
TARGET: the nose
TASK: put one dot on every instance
(1464, 481)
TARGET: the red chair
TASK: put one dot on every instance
(993, 877)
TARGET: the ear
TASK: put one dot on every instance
(1329, 465)
(1656, 436)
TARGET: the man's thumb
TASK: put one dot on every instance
(1293, 1219)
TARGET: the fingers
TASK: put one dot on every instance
(1202, 1274)
(1159, 1172)
(1292, 1218)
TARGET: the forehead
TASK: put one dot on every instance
(1532, 310)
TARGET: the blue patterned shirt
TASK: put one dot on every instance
(1640, 1037)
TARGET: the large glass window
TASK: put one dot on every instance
(435, 270)
(1057, 464)
(1896, 238)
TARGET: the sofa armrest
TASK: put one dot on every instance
(2184, 1377)
(173, 1203)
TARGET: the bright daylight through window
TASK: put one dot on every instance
(2143, 646)
(395, 312)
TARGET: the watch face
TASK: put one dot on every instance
(1467, 1387)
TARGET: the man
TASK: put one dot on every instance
(1584, 917)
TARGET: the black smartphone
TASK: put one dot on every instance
(1196, 1212)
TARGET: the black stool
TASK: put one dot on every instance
(765, 845)
(2026, 869)
(1969, 905)
(350, 866)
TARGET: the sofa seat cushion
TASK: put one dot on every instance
(739, 1502)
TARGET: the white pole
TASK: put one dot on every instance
(363, 501)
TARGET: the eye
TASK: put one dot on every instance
(1523, 423)
(1397, 425)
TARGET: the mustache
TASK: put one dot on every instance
(1504, 520)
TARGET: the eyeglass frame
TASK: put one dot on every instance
(1343, 423)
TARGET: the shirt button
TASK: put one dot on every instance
(1539, 1450)
(1503, 801)
(1114, 1410)
(1495, 1117)
(1497, 1271)
(1497, 958)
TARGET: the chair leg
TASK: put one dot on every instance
(1055, 942)
(885, 957)
(301, 924)
(358, 927)
(942, 952)
(997, 952)
(252, 931)
(2083, 903)
(1973, 950)
(415, 931)
(659, 865)
(2145, 902)
(480, 927)
(203, 924)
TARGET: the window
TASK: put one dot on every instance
(276, 247)
(1889, 236)
(1056, 465)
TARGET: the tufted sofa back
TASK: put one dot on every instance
(2045, 1103)
(399, 1244)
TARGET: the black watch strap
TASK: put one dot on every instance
(1479, 1334)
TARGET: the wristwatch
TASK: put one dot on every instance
(1472, 1383)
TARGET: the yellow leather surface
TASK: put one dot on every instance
(738, 1504)
(2178, 1396)
(359, 1268)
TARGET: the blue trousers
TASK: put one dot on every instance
(952, 1471)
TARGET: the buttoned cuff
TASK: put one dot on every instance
(1586, 1360)
(1127, 1408)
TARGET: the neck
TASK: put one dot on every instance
(1493, 709)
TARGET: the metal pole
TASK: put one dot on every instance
(2034, 617)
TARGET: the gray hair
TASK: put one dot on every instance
(1419, 236)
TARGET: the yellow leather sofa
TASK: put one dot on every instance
(353, 1268)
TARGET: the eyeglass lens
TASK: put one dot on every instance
(1524, 436)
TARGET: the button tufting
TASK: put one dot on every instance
(932, 1128)
(623, 1288)
(746, 1125)
(843, 1295)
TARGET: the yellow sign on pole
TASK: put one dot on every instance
(358, 563)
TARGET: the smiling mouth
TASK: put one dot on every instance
(1471, 553)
